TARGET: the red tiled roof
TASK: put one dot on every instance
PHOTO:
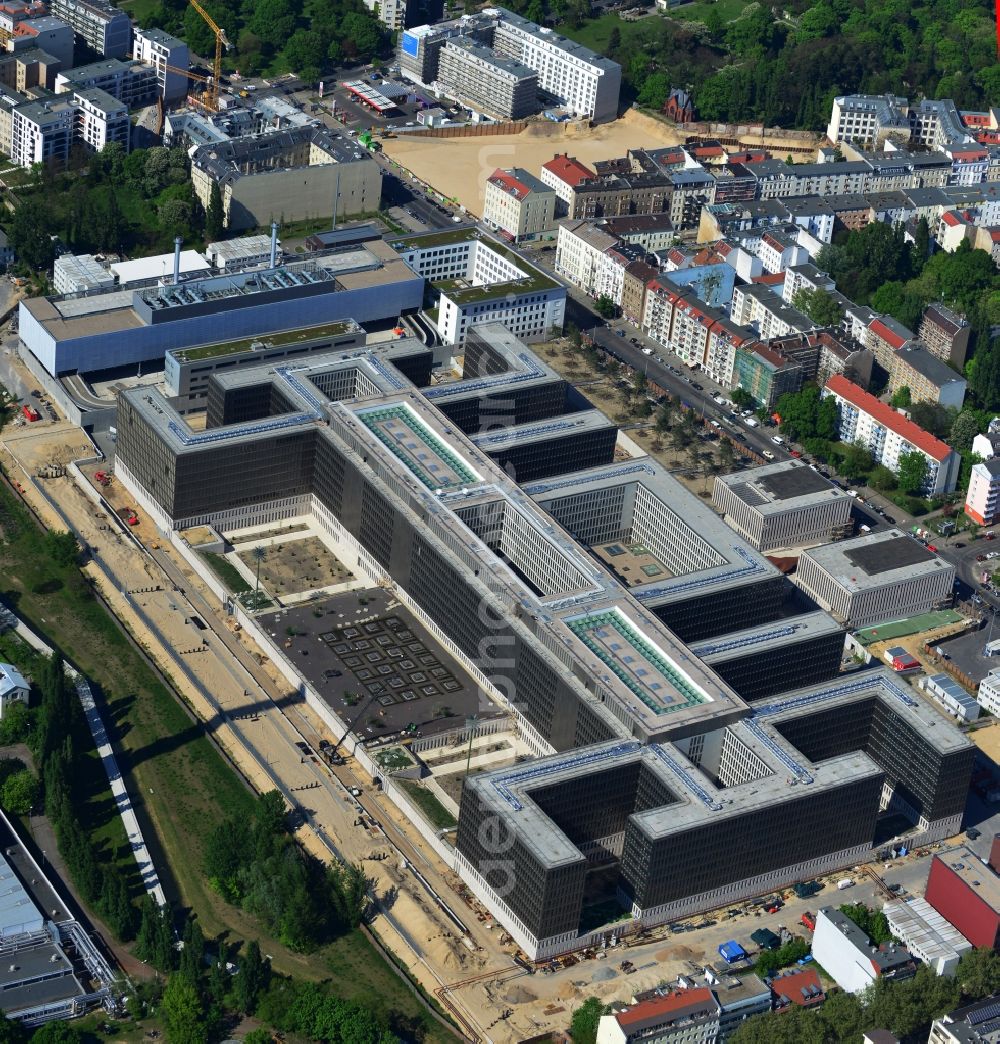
(570, 170)
(769, 278)
(949, 217)
(661, 1006)
(505, 180)
(890, 337)
(888, 417)
(792, 985)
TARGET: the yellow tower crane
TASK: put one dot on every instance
(212, 91)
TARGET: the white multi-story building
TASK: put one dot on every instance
(100, 119)
(570, 75)
(880, 576)
(982, 501)
(687, 1016)
(517, 204)
(479, 280)
(850, 957)
(868, 118)
(758, 306)
(889, 435)
(583, 81)
(989, 692)
(168, 55)
(42, 132)
(582, 257)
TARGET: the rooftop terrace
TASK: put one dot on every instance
(309, 333)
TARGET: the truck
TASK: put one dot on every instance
(845, 882)
(804, 889)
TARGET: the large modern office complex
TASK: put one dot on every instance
(670, 776)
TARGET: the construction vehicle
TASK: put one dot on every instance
(102, 478)
(366, 139)
(211, 97)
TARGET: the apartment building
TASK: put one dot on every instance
(582, 257)
(100, 119)
(884, 337)
(617, 195)
(928, 378)
(499, 86)
(888, 435)
(518, 205)
(168, 55)
(982, 501)
(868, 119)
(564, 174)
(133, 83)
(637, 276)
(583, 81)
(42, 132)
(574, 77)
(758, 306)
(945, 333)
(99, 24)
(46, 33)
(765, 373)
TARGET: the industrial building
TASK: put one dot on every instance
(287, 175)
(480, 280)
(53, 969)
(966, 892)
(651, 769)
(783, 505)
(947, 692)
(846, 953)
(126, 326)
(876, 577)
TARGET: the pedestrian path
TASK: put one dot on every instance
(150, 878)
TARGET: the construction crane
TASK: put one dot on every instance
(212, 91)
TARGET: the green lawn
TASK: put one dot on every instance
(729, 10)
(140, 10)
(181, 786)
(437, 815)
(226, 572)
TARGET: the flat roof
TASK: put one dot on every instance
(416, 447)
(776, 634)
(924, 930)
(974, 873)
(885, 555)
(159, 266)
(245, 344)
(876, 558)
(782, 486)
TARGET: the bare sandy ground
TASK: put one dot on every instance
(459, 167)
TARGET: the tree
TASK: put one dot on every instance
(305, 53)
(855, 461)
(933, 417)
(20, 793)
(362, 36)
(192, 958)
(183, 1012)
(901, 398)
(215, 217)
(252, 979)
(30, 236)
(61, 547)
(912, 472)
(819, 306)
(963, 430)
(605, 307)
(586, 1018)
(57, 1032)
(978, 973)
(882, 479)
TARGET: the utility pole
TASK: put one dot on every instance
(336, 194)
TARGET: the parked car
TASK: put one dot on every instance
(768, 455)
